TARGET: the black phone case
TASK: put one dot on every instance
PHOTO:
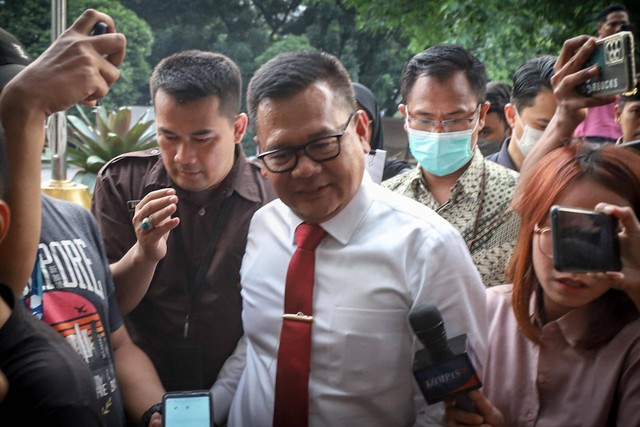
(591, 248)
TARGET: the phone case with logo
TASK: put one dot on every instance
(615, 58)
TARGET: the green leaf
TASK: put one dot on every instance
(92, 145)
(120, 121)
(85, 178)
(95, 163)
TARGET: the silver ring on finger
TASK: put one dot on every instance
(146, 224)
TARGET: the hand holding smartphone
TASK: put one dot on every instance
(187, 409)
(615, 57)
(584, 240)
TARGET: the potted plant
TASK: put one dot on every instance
(91, 145)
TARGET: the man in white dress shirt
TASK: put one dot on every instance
(382, 255)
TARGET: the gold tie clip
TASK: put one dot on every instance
(299, 317)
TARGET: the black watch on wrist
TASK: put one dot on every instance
(146, 417)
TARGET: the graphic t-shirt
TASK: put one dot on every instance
(78, 295)
(48, 384)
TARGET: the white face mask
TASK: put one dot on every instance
(529, 138)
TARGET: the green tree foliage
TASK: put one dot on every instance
(287, 43)
(502, 34)
(133, 86)
(373, 38)
(374, 56)
(30, 22)
(233, 28)
(252, 32)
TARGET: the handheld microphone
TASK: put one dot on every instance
(444, 368)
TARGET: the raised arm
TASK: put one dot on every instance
(76, 68)
(134, 271)
(569, 74)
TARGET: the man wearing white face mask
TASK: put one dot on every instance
(531, 108)
(444, 110)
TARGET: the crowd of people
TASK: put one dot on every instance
(284, 284)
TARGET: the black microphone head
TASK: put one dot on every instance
(426, 322)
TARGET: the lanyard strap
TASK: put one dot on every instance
(192, 282)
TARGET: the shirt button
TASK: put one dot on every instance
(202, 211)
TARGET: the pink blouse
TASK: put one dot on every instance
(560, 383)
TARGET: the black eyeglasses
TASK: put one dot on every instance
(319, 150)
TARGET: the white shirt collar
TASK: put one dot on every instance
(344, 224)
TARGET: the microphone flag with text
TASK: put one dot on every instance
(444, 368)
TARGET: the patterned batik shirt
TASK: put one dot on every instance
(469, 208)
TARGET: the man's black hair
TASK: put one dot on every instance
(614, 7)
(195, 74)
(290, 73)
(530, 79)
(498, 94)
(442, 62)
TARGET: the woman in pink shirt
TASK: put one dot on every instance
(564, 348)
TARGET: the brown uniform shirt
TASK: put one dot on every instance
(157, 324)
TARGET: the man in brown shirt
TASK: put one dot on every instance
(175, 220)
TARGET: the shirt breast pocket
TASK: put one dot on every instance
(368, 350)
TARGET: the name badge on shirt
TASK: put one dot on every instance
(131, 205)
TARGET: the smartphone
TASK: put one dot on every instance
(615, 57)
(99, 28)
(584, 240)
(632, 144)
(187, 409)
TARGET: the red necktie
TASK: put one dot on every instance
(292, 375)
